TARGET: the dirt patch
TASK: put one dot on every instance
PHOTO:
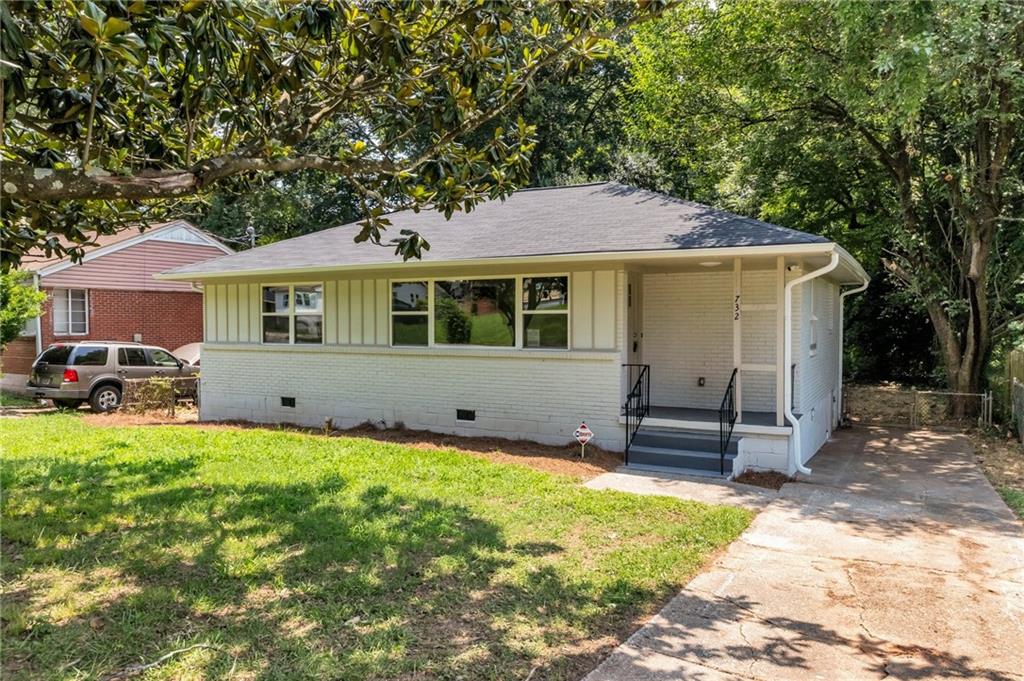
(768, 479)
(1002, 459)
(182, 416)
(561, 460)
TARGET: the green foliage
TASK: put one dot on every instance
(19, 302)
(892, 128)
(302, 556)
(116, 111)
(453, 323)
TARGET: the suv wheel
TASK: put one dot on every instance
(105, 398)
(67, 404)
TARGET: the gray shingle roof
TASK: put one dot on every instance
(590, 218)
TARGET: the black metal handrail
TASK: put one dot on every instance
(638, 400)
(727, 418)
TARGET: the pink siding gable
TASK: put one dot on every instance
(133, 267)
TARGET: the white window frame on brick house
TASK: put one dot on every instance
(517, 345)
(66, 293)
(291, 313)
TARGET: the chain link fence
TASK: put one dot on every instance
(897, 406)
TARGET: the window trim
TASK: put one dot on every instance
(291, 314)
(517, 346)
(53, 312)
(410, 313)
(520, 312)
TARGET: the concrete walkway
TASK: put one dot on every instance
(895, 559)
(709, 490)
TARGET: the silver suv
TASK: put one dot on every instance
(71, 373)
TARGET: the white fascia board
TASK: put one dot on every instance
(141, 237)
(614, 256)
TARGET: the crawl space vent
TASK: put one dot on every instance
(465, 414)
(287, 401)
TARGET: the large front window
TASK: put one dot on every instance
(475, 312)
(293, 314)
(70, 312)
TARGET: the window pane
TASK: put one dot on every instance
(309, 329)
(275, 329)
(309, 298)
(546, 293)
(60, 311)
(275, 298)
(132, 357)
(545, 331)
(57, 355)
(89, 356)
(409, 329)
(78, 298)
(161, 358)
(475, 312)
(408, 296)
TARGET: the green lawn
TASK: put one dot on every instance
(11, 400)
(300, 556)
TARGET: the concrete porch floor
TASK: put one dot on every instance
(753, 418)
(895, 559)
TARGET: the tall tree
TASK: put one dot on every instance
(114, 110)
(902, 120)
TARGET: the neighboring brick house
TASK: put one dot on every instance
(112, 294)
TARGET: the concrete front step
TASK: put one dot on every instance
(683, 440)
(675, 470)
(679, 458)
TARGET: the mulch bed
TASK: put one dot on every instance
(769, 479)
(1002, 460)
(560, 460)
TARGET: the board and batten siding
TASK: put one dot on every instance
(358, 312)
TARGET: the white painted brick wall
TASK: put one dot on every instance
(688, 334)
(522, 395)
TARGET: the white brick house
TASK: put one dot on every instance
(531, 315)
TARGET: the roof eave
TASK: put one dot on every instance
(806, 249)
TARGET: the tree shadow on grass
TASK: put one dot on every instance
(330, 578)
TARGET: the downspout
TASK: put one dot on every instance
(787, 353)
(839, 377)
(39, 319)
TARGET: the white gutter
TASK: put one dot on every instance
(839, 377)
(787, 377)
(39, 319)
(667, 255)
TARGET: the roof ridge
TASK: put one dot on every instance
(563, 186)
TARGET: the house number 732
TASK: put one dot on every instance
(736, 309)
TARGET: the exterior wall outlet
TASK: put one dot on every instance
(701, 381)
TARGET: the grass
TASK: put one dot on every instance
(299, 556)
(1014, 498)
(11, 400)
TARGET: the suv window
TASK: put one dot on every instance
(162, 358)
(131, 357)
(57, 355)
(89, 356)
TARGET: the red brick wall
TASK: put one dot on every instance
(169, 319)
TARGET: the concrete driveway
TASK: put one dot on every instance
(895, 559)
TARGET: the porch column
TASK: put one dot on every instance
(780, 339)
(737, 332)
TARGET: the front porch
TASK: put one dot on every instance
(709, 338)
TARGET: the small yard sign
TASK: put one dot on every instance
(583, 434)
